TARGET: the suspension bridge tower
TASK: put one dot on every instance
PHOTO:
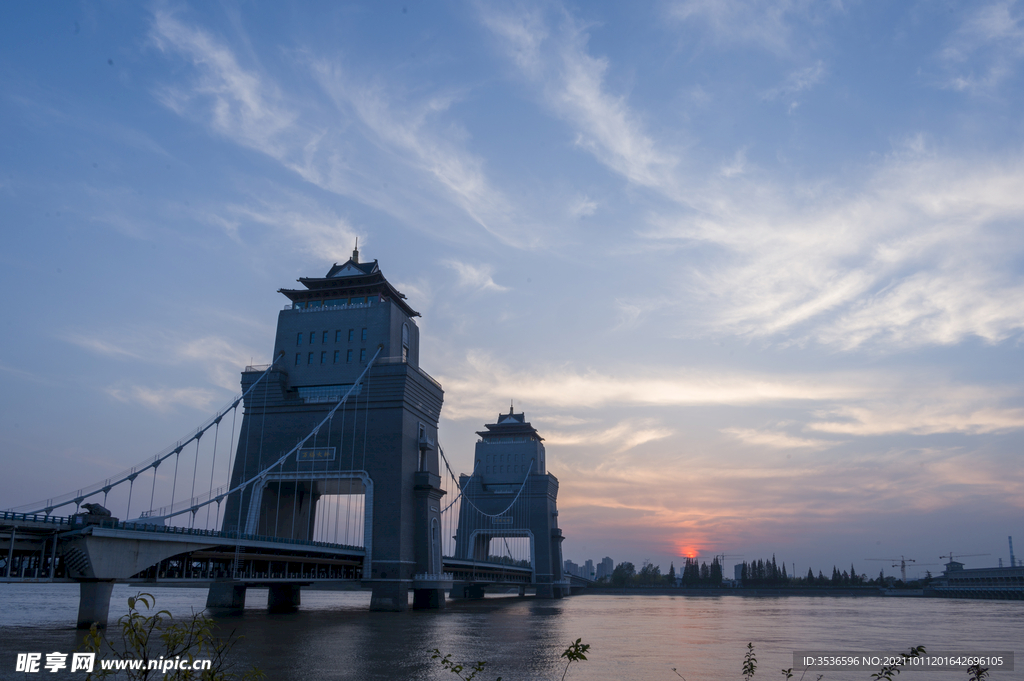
(381, 445)
(511, 494)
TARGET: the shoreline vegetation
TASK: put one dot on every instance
(858, 592)
(758, 577)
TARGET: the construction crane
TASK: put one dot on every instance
(900, 562)
(952, 556)
(723, 556)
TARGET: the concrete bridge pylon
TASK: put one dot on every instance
(381, 445)
(510, 494)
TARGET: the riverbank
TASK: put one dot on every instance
(859, 592)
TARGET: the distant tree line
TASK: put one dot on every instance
(754, 574)
(763, 573)
(693, 574)
(702, 576)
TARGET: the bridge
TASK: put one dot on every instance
(333, 474)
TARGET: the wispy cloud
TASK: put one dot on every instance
(919, 255)
(321, 233)
(484, 381)
(235, 101)
(987, 48)
(221, 358)
(410, 134)
(776, 439)
(477, 277)
(583, 206)
(736, 166)
(164, 399)
(921, 417)
(766, 24)
(798, 81)
(100, 346)
(338, 147)
(620, 438)
(556, 58)
(847, 404)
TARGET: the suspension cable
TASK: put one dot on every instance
(134, 471)
(280, 461)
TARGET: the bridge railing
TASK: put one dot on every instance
(35, 517)
(79, 522)
(130, 475)
(217, 534)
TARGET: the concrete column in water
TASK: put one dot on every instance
(390, 596)
(94, 603)
(283, 597)
(10, 554)
(226, 596)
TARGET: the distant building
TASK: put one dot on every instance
(605, 568)
(957, 582)
(588, 569)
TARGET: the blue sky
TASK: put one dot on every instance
(754, 269)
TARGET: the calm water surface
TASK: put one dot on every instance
(332, 636)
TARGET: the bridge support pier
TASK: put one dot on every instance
(549, 590)
(94, 603)
(522, 590)
(283, 597)
(468, 591)
(428, 599)
(389, 596)
(226, 596)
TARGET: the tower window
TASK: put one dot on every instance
(351, 335)
(323, 357)
(364, 335)
(310, 358)
(337, 336)
(362, 354)
(298, 358)
(348, 357)
(325, 336)
(405, 342)
(298, 340)
(312, 337)
(337, 353)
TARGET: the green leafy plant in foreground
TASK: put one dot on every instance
(576, 652)
(749, 662)
(457, 669)
(145, 637)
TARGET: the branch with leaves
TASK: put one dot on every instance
(149, 637)
(576, 652)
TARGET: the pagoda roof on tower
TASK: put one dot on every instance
(351, 268)
(509, 424)
(349, 278)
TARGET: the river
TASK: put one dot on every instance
(332, 636)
